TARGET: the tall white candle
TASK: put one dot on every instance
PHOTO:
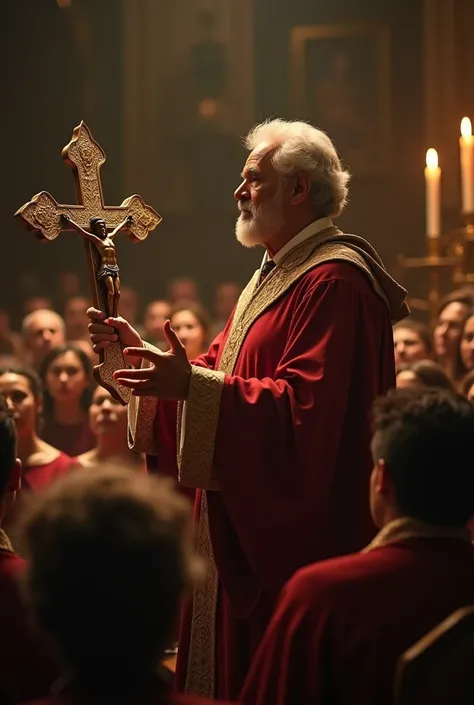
(433, 203)
(466, 147)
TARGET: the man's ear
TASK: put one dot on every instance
(382, 481)
(14, 484)
(301, 188)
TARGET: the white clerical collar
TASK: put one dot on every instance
(316, 226)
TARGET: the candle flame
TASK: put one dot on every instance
(432, 158)
(466, 127)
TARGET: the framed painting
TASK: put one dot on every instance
(341, 79)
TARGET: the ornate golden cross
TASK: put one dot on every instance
(48, 218)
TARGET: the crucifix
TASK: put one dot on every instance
(98, 224)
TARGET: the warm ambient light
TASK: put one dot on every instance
(432, 159)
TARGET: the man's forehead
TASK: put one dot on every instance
(260, 156)
(45, 320)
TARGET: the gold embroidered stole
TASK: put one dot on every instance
(254, 301)
(406, 528)
(5, 543)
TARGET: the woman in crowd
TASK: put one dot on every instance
(66, 374)
(191, 324)
(464, 360)
(423, 373)
(41, 462)
(108, 422)
(412, 341)
(447, 333)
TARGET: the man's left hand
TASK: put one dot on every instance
(169, 375)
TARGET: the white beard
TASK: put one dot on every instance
(264, 221)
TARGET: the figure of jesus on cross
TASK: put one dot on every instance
(108, 271)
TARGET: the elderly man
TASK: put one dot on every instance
(274, 418)
(41, 330)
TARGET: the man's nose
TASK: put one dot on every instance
(47, 335)
(241, 193)
(10, 404)
(63, 376)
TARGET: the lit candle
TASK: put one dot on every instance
(466, 146)
(433, 206)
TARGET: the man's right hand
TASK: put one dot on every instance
(104, 331)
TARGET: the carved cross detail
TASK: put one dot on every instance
(43, 215)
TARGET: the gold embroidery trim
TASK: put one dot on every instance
(254, 300)
(201, 416)
(407, 528)
(201, 670)
(141, 414)
(5, 543)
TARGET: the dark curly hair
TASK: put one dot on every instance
(425, 438)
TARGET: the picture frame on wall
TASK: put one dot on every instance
(341, 76)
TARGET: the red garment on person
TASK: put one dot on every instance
(341, 625)
(27, 665)
(292, 450)
(72, 440)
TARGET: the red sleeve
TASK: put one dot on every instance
(278, 438)
(292, 665)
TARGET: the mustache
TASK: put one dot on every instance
(246, 207)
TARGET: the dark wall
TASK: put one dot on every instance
(63, 65)
(387, 209)
(58, 66)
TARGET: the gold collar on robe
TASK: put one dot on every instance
(408, 528)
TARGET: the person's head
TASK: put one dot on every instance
(21, 389)
(452, 311)
(156, 313)
(42, 330)
(412, 341)
(465, 352)
(66, 374)
(110, 557)
(467, 386)
(292, 176)
(107, 417)
(98, 227)
(10, 465)
(128, 303)
(190, 322)
(423, 373)
(421, 448)
(75, 317)
(227, 295)
(182, 289)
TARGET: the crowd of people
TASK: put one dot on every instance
(319, 415)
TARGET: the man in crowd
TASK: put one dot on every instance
(41, 330)
(341, 625)
(110, 555)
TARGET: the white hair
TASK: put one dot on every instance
(301, 147)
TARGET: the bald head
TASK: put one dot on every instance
(42, 330)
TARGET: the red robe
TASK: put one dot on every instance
(341, 625)
(72, 440)
(38, 477)
(27, 665)
(291, 451)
